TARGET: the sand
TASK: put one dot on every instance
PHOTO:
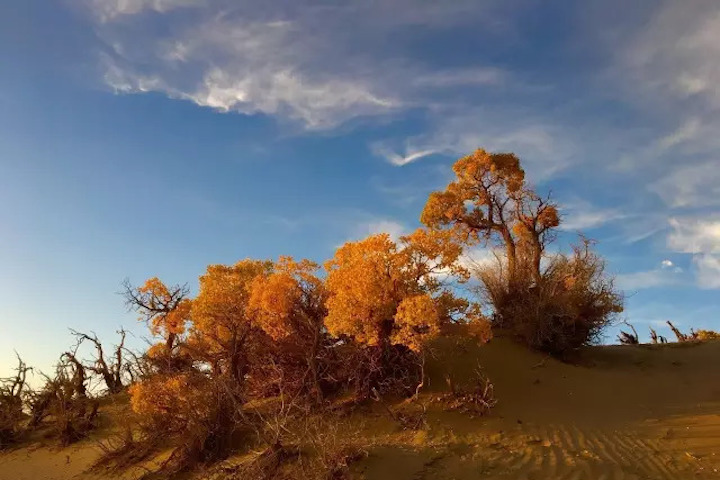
(629, 412)
(619, 413)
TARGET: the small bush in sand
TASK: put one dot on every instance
(311, 448)
(476, 399)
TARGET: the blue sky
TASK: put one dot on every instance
(155, 137)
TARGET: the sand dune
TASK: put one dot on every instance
(619, 413)
(646, 412)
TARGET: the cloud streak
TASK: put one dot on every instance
(108, 10)
(316, 65)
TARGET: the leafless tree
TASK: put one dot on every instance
(12, 391)
(629, 338)
(112, 369)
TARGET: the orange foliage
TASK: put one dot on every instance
(288, 300)
(381, 293)
(180, 395)
(170, 313)
(222, 322)
(417, 319)
(489, 200)
(364, 281)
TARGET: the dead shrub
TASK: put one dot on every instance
(569, 307)
(127, 448)
(475, 399)
(64, 403)
(693, 336)
(626, 338)
(312, 448)
(373, 370)
(12, 416)
(333, 448)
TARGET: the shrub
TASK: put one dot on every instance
(197, 416)
(64, 402)
(569, 307)
(476, 399)
(705, 335)
(11, 405)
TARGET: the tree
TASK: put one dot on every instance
(165, 309)
(12, 391)
(556, 305)
(384, 295)
(112, 369)
(224, 332)
(489, 200)
(288, 304)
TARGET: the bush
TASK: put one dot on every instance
(198, 416)
(569, 307)
(11, 405)
(705, 335)
(63, 400)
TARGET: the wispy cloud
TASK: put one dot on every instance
(466, 77)
(699, 236)
(455, 132)
(677, 51)
(661, 276)
(694, 235)
(109, 9)
(690, 186)
(380, 149)
(708, 271)
(580, 215)
(392, 227)
(318, 65)
(667, 69)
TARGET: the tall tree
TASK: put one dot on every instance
(490, 200)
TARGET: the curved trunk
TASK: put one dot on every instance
(511, 252)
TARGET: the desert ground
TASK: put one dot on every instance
(614, 412)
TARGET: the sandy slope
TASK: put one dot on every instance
(627, 413)
(623, 413)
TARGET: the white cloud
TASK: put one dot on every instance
(391, 227)
(319, 104)
(707, 271)
(232, 64)
(700, 237)
(462, 77)
(580, 215)
(543, 149)
(677, 51)
(380, 149)
(479, 257)
(658, 277)
(666, 264)
(109, 9)
(694, 235)
(670, 66)
(687, 131)
(318, 65)
(690, 186)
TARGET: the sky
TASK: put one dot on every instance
(154, 137)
